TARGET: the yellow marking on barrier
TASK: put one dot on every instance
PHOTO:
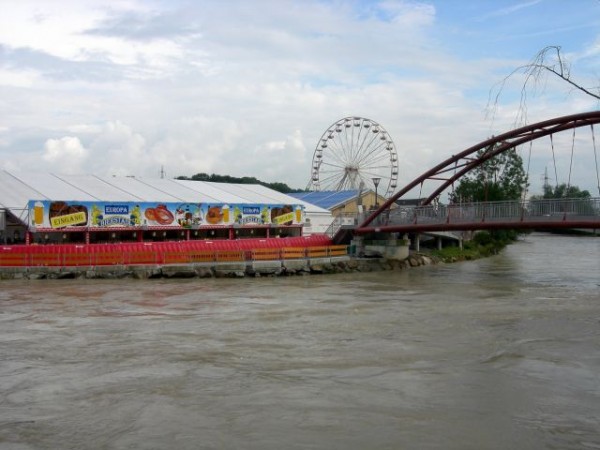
(315, 252)
(13, 259)
(338, 250)
(146, 257)
(177, 257)
(151, 257)
(45, 259)
(293, 252)
(262, 254)
(202, 256)
(229, 255)
(108, 259)
(77, 259)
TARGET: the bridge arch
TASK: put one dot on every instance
(463, 162)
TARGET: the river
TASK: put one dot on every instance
(497, 353)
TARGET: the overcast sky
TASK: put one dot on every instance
(247, 88)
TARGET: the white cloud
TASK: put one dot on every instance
(247, 88)
(409, 14)
(64, 155)
(118, 150)
(286, 156)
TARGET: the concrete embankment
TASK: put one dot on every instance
(313, 266)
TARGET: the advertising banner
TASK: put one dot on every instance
(65, 214)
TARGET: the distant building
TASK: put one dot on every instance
(410, 202)
(341, 202)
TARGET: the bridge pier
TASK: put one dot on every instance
(417, 242)
(358, 243)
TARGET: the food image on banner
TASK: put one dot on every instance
(299, 215)
(63, 214)
(159, 215)
(214, 215)
(188, 215)
(283, 215)
(38, 213)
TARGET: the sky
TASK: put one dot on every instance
(247, 88)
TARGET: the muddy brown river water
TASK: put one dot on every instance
(500, 353)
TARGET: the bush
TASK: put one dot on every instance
(483, 238)
(483, 244)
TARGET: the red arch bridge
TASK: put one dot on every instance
(431, 216)
(536, 214)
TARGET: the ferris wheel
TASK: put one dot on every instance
(352, 151)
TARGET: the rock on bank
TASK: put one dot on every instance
(342, 264)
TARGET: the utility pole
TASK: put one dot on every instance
(546, 178)
(376, 181)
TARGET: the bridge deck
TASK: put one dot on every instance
(533, 214)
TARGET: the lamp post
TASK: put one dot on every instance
(376, 181)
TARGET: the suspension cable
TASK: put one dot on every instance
(596, 158)
(554, 161)
(571, 163)
(528, 164)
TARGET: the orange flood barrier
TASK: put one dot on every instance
(293, 252)
(153, 253)
(317, 252)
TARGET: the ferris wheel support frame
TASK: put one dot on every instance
(358, 150)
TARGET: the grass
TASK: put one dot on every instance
(484, 244)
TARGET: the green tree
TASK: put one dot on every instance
(215, 178)
(570, 199)
(499, 178)
(562, 191)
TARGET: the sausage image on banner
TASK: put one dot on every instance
(283, 215)
(63, 214)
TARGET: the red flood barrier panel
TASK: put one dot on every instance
(157, 253)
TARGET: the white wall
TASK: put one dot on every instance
(319, 222)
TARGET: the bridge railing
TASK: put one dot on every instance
(344, 219)
(577, 207)
(517, 211)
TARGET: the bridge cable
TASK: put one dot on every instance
(595, 158)
(571, 164)
(453, 190)
(554, 161)
(528, 164)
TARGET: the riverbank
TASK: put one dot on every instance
(315, 266)
(484, 244)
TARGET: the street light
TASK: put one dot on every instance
(376, 183)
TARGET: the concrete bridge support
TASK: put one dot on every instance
(417, 242)
(358, 243)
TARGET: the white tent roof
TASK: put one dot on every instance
(210, 192)
(17, 188)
